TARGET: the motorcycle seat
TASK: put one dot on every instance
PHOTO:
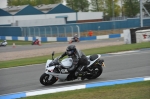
(93, 57)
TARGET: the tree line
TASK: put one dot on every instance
(31, 2)
(110, 8)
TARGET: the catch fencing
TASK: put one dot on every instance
(68, 30)
(51, 31)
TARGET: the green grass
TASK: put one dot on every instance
(19, 42)
(117, 48)
(101, 50)
(138, 90)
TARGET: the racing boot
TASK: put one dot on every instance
(79, 72)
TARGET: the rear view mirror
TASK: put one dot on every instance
(53, 55)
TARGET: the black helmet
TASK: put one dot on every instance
(70, 50)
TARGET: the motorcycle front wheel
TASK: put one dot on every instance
(44, 80)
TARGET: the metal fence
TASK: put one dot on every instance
(68, 30)
(51, 31)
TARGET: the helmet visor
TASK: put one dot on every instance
(69, 52)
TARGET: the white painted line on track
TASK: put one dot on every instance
(127, 54)
(68, 88)
(147, 78)
(124, 52)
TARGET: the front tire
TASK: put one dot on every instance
(44, 80)
(96, 72)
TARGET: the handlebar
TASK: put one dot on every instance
(56, 61)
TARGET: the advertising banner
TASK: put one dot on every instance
(142, 36)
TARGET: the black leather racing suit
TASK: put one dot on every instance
(75, 38)
(78, 57)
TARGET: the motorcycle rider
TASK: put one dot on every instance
(79, 60)
(4, 43)
(35, 42)
(75, 38)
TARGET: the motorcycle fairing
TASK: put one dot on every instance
(47, 63)
(49, 71)
(91, 62)
(67, 62)
(58, 75)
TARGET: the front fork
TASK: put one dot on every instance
(50, 76)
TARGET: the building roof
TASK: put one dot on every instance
(29, 10)
(4, 13)
(14, 9)
(60, 9)
(39, 9)
(22, 10)
(45, 8)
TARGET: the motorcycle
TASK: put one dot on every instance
(36, 42)
(57, 70)
(3, 44)
(74, 40)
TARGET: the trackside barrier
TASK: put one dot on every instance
(68, 88)
(60, 39)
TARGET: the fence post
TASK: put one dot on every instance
(72, 30)
(78, 30)
(25, 31)
(28, 31)
(39, 31)
(45, 31)
(21, 31)
(34, 30)
(57, 31)
(51, 31)
(65, 31)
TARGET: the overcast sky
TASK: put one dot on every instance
(3, 3)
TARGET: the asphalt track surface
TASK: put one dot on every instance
(118, 66)
(54, 44)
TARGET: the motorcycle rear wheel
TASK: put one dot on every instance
(96, 72)
(44, 80)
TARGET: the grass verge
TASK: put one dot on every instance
(138, 90)
(101, 50)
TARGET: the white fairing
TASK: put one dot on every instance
(47, 63)
(51, 68)
(67, 62)
(91, 62)
(3, 43)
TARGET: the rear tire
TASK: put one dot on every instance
(44, 80)
(96, 72)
